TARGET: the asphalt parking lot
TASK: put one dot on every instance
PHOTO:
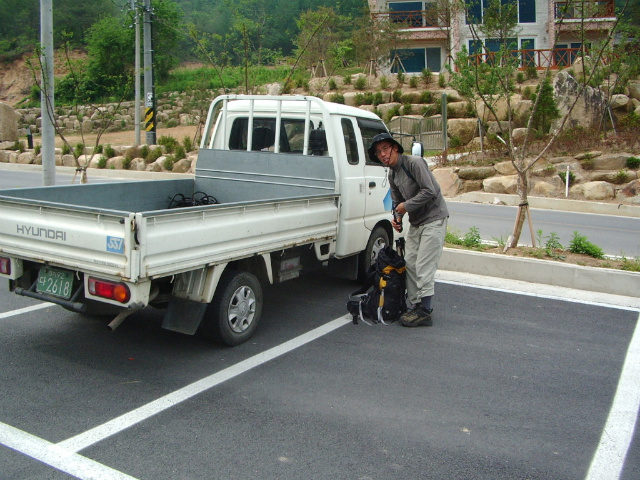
(505, 385)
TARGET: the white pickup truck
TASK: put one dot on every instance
(293, 188)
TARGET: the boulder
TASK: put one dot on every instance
(8, 123)
(505, 168)
(463, 128)
(598, 191)
(457, 109)
(610, 161)
(620, 102)
(449, 182)
(116, 163)
(518, 135)
(544, 189)
(181, 166)
(503, 184)
(634, 91)
(26, 158)
(588, 108)
(68, 160)
(475, 173)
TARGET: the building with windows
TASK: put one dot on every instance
(548, 32)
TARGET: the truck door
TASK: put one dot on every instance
(378, 194)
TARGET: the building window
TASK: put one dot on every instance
(476, 9)
(414, 60)
(409, 13)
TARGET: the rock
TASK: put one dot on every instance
(620, 101)
(463, 128)
(181, 166)
(631, 190)
(384, 108)
(449, 182)
(26, 158)
(457, 109)
(588, 109)
(496, 128)
(505, 168)
(503, 184)
(589, 155)
(610, 161)
(544, 189)
(138, 164)
(68, 160)
(475, 173)
(598, 191)
(518, 135)
(350, 98)
(116, 163)
(8, 123)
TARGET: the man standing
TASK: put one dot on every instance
(415, 191)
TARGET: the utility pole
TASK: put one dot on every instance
(136, 120)
(46, 94)
(149, 88)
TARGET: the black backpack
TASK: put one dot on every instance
(382, 298)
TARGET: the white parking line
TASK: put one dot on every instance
(20, 311)
(608, 461)
(57, 457)
(140, 414)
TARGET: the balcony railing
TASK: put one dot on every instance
(429, 18)
(537, 58)
(588, 9)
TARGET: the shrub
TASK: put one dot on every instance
(527, 93)
(332, 84)
(580, 244)
(587, 163)
(427, 76)
(520, 77)
(400, 78)
(359, 99)
(99, 148)
(384, 83)
(168, 162)
(455, 142)
(396, 96)
(109, 152)
(377, 98)
(169, 143)
(441, 81)
(337, 98)
(37, 148)
(102, 161)
(532, 72)
(66, 149)
(452, 237)
(406, 109)
(361, 83)
(620, 177)
(472, 238)
(633, 163)
(426, 97)
(180, 153)
(393, 112)
(563, 176)
(413, 82)
(78, 150)
(347, 80)
(187, 143)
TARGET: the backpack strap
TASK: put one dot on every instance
(406, 170)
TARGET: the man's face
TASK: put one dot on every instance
(387, 153)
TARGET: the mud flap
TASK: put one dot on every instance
(183, 316)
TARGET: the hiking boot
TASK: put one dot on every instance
(418, 317)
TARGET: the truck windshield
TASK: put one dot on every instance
(264, 134)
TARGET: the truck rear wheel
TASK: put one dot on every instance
(233, 315)
(377, 241)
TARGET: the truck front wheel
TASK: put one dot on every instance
(233, 315)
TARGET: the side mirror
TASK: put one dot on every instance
(417, 149)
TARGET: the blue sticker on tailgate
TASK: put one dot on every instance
(115, 244)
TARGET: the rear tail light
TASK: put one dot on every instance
(5, 266)
(111, 290)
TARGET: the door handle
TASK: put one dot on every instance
(372, 184)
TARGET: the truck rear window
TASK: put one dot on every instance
(368, 130)
(264, 134)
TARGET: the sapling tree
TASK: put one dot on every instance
(486, 77)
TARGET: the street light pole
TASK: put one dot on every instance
(46, 94)
(149, 88)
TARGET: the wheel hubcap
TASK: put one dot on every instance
(242, 309)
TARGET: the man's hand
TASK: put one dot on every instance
(400, 208)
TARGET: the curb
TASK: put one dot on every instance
(601, 280)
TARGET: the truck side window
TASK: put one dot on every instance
(350, 142)
(368, 130)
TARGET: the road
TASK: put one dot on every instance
(615, 235)
(504, 385)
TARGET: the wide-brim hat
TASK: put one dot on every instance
(380, 138)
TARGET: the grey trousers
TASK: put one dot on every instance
(423, 249)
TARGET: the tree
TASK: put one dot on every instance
(488, 77)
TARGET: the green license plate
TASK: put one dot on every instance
(55, 282)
